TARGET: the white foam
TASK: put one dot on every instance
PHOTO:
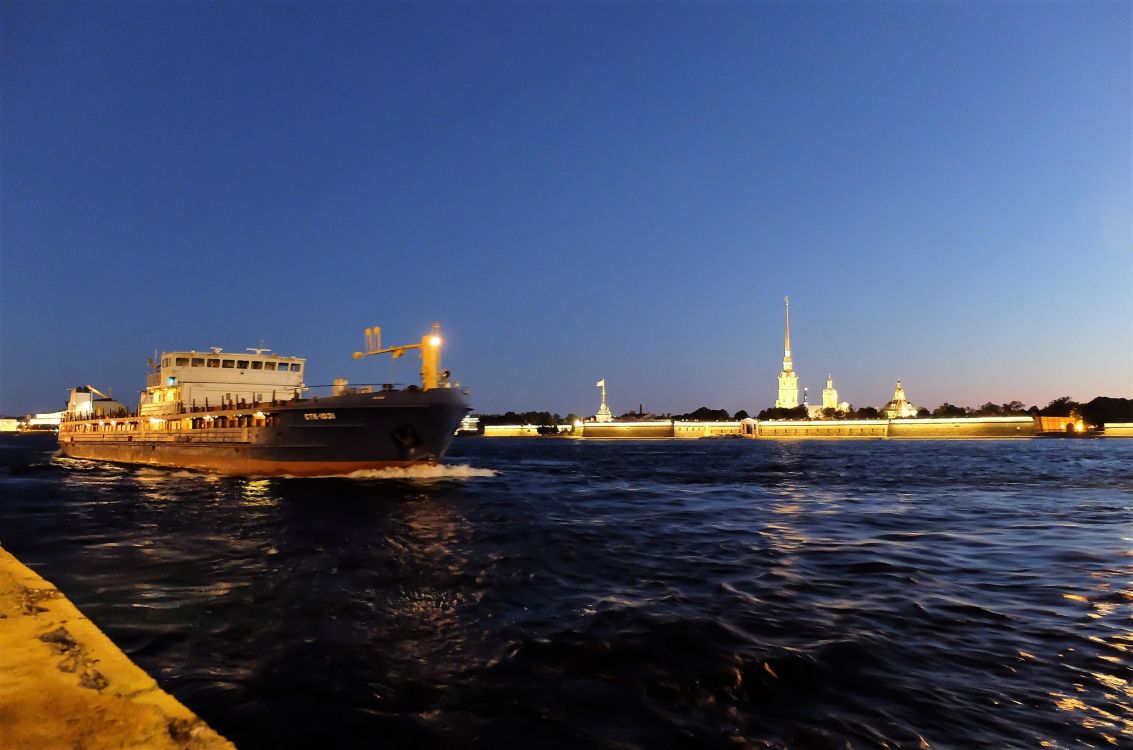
(422, 472)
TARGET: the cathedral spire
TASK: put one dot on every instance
(788, 380)
(787, 337)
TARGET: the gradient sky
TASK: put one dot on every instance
(581, 191)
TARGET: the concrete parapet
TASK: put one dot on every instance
(64, 684)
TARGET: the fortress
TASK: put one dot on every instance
(897, 419)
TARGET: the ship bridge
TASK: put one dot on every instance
(217, 379)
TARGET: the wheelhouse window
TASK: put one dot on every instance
(182, 361)
(214, 363)
(198, 362)
(241, 364)
(295, 367)
(257, 365)
(269, 365)
(228, 364)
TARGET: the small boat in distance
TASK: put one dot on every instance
(250, 414)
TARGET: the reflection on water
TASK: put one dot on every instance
(567, 594)
(1099, 695)
(258, 492)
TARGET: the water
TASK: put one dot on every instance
(563, 594)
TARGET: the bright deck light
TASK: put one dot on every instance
(435, 341)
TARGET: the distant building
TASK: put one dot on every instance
(829, 401)
(9, 424)
(514, 430)
(469, 424)
(900, 407)
(829, 394)
(46, 421)
(788, 380)
(1073, 423)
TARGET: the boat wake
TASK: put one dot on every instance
(435, 472)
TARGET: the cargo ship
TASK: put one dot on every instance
(250, 414)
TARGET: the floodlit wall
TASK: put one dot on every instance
(705, 429)
(905, 429)
(977, 427)
(929, 429)
(49, 419)
(626, 430)
(847, 428)
(511, 430)
(1118, 429)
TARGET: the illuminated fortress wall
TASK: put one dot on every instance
(898, 429)
(989, 427)
(626, 430)
(863, 428)
(929, 429)
(511, 430)
(705, 429)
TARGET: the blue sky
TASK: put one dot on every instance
(575, 191)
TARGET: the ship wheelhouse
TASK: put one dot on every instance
(183, 381)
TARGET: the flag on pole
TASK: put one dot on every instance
(601, 383)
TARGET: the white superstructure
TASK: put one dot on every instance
(183, 380)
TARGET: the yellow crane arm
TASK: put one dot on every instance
(430, 347)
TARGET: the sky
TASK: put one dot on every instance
(623, 191)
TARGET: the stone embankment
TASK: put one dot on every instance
(64, 684)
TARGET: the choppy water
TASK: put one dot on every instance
(552, 593)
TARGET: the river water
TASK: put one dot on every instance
(563, 594)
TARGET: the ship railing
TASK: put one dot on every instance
(99, 415)
(279, 398)
(337, 389)
(210, 436)
(312, 392)
(286, 398)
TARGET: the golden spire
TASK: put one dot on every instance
(787, 338)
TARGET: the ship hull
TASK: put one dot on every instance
(225, 460)
(309, 437)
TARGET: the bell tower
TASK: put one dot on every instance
(788, 380)
(829, 394)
